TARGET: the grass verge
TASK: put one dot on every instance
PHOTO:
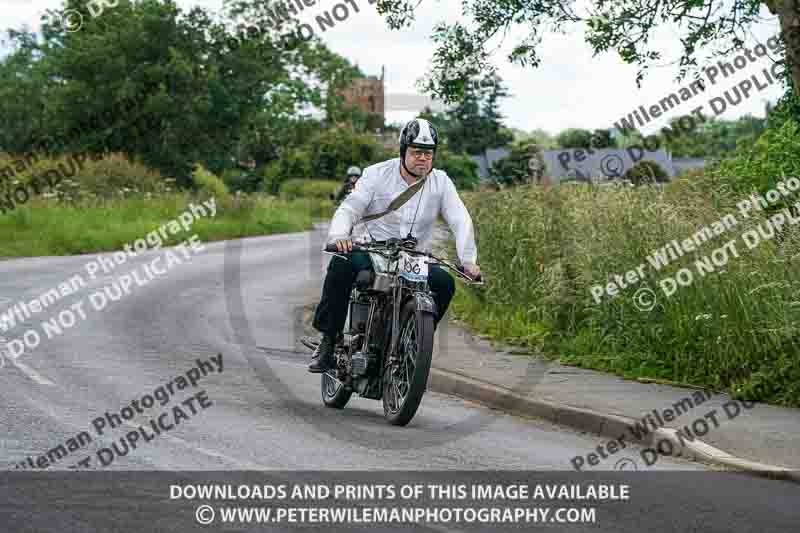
(46, 228)
(733, 329)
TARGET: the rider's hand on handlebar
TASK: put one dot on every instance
(472, 271)
(344, 245)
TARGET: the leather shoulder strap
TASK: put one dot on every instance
(398, 202)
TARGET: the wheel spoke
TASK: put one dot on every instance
(396, 391)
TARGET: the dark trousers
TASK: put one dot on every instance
(332, 309)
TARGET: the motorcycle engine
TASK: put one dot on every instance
(362, 363)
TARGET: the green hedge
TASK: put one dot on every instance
(309, 188)
(775, 155)
(645, 172)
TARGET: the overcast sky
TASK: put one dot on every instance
(569, 89)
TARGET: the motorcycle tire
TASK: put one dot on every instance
(420, 326)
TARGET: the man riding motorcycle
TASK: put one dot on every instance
(380, 184)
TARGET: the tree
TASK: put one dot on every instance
(475, 123)
(325, 153)
(715, 138)
(574, 138)
(462, 169)
(519, 165)
(646, 172)
(464, 48)
(629, 137)
(25, 102)
(603, 139)
(496, 135)
(442, 121)
(537, 136)
(787, 108)
(200, 95)
(335, 149)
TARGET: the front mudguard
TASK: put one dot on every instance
(424, 303)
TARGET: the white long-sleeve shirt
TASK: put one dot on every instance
(379, 185)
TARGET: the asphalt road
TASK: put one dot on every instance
(261, 411)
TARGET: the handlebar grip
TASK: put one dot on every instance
(477, 280)
(334, 249)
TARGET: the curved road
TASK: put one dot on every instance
(244, 299)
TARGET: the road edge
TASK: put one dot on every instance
(582, 419)
(603, 424)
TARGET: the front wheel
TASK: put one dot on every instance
(405, 384)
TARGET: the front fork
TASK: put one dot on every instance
(396, 303)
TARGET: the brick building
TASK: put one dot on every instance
(367, 94)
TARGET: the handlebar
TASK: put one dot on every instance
(331, 248)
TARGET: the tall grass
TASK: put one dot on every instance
(544, 249)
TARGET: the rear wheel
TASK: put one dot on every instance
(404, 385)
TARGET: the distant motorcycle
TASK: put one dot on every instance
(385, 351)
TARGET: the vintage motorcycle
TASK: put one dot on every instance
(386, 348)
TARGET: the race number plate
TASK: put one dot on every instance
(413, 267)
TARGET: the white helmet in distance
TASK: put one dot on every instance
(353, 171)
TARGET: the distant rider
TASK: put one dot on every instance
(353, 173)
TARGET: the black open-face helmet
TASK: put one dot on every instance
(418, 133)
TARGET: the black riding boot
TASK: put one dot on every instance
(323, 355)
